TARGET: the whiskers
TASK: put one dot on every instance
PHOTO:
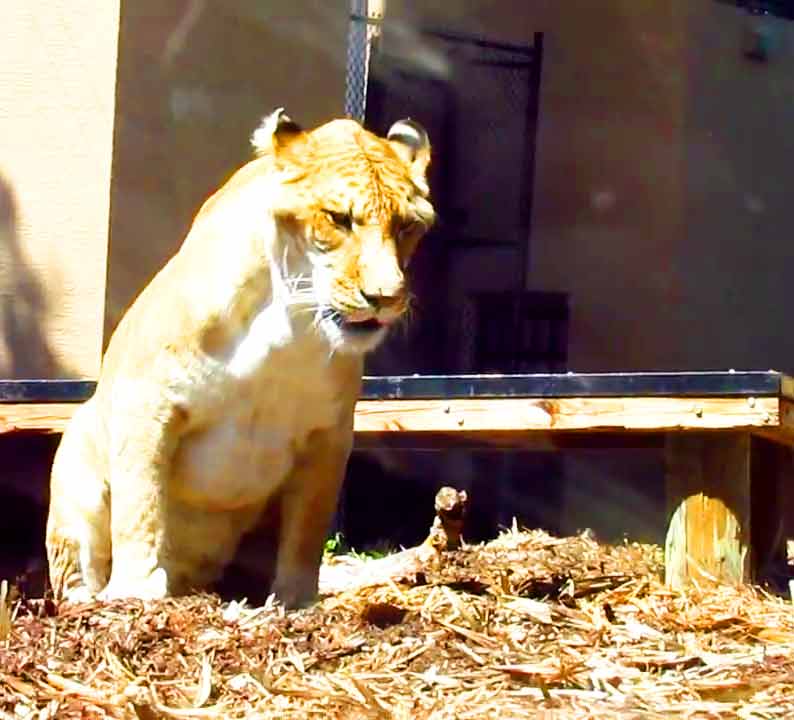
(299, 284)
(303, 304)
(297, 288)
(301, 297)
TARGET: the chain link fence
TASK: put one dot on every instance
(363, 32)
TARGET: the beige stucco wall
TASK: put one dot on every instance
(57, 81)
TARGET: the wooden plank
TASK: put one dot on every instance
(39, 417)
(787, 387)
(501, 416)
(782, 432)
(786, 415)
(519, 414)
(709, 508)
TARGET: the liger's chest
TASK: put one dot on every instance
(259, 419)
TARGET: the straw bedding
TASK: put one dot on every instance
(527, 625)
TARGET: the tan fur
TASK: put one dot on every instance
(227, 387)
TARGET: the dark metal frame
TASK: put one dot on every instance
(519, 332)
(530, 142)
(426, 387)
(585, 385)
(45, 391)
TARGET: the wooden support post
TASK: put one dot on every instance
(709, 508)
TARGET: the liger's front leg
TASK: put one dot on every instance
(144, 432)
(308, 503)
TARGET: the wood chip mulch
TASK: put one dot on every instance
(526, 626)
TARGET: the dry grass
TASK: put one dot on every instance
(526, 626)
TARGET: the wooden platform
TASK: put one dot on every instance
(726, 438)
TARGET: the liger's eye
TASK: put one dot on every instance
(341, 220)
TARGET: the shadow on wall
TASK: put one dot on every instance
(24, 350)
(25, 460)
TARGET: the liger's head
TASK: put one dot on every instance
(358, 205)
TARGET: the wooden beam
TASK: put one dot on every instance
(781, 432)
(709, 508)
(519, 414)
(503, 417)
(35, 417)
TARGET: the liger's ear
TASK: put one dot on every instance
(276, 131)
(410, 141)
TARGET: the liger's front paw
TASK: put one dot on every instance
(79, 595)
(154, 587)
(297, 591)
